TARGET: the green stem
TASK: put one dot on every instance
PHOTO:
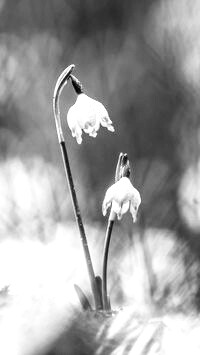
(61, 82)
(106, 303)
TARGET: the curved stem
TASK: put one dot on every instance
(106, 303)
(61, 82)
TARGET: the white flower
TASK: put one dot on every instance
(122, 196)
(87, 114)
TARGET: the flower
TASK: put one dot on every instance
(122, 196)
(87, 114)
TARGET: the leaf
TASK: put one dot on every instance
(82, 298)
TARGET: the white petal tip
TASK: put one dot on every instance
(104, 212)
(93, 134)
(111, 129)
(134, 218)
(105, 207)
(79, 140)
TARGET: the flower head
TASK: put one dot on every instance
(122, 196)
(87, 115)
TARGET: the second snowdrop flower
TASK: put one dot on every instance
(122, 196)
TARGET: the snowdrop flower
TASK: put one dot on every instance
(87, 115)
(122, 196)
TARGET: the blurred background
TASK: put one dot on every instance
(141, 59)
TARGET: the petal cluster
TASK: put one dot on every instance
(87, 115)
(123, 196)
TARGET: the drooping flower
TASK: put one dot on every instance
(122, 196)
(87, 115)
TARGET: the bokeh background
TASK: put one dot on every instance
(141, 60)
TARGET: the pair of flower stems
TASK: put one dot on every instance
(98, 286)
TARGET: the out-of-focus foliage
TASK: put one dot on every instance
(126, 55)
(140, 59)
(38, 302)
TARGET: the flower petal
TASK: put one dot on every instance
(117, 208)
(110, 128)
(77, 133)
(91, 128)
(135, 203)
(125, 207)
(87, 114)
(105, 207)
(93, 134)
(79, 139)
(123, 196)
(106, 122)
